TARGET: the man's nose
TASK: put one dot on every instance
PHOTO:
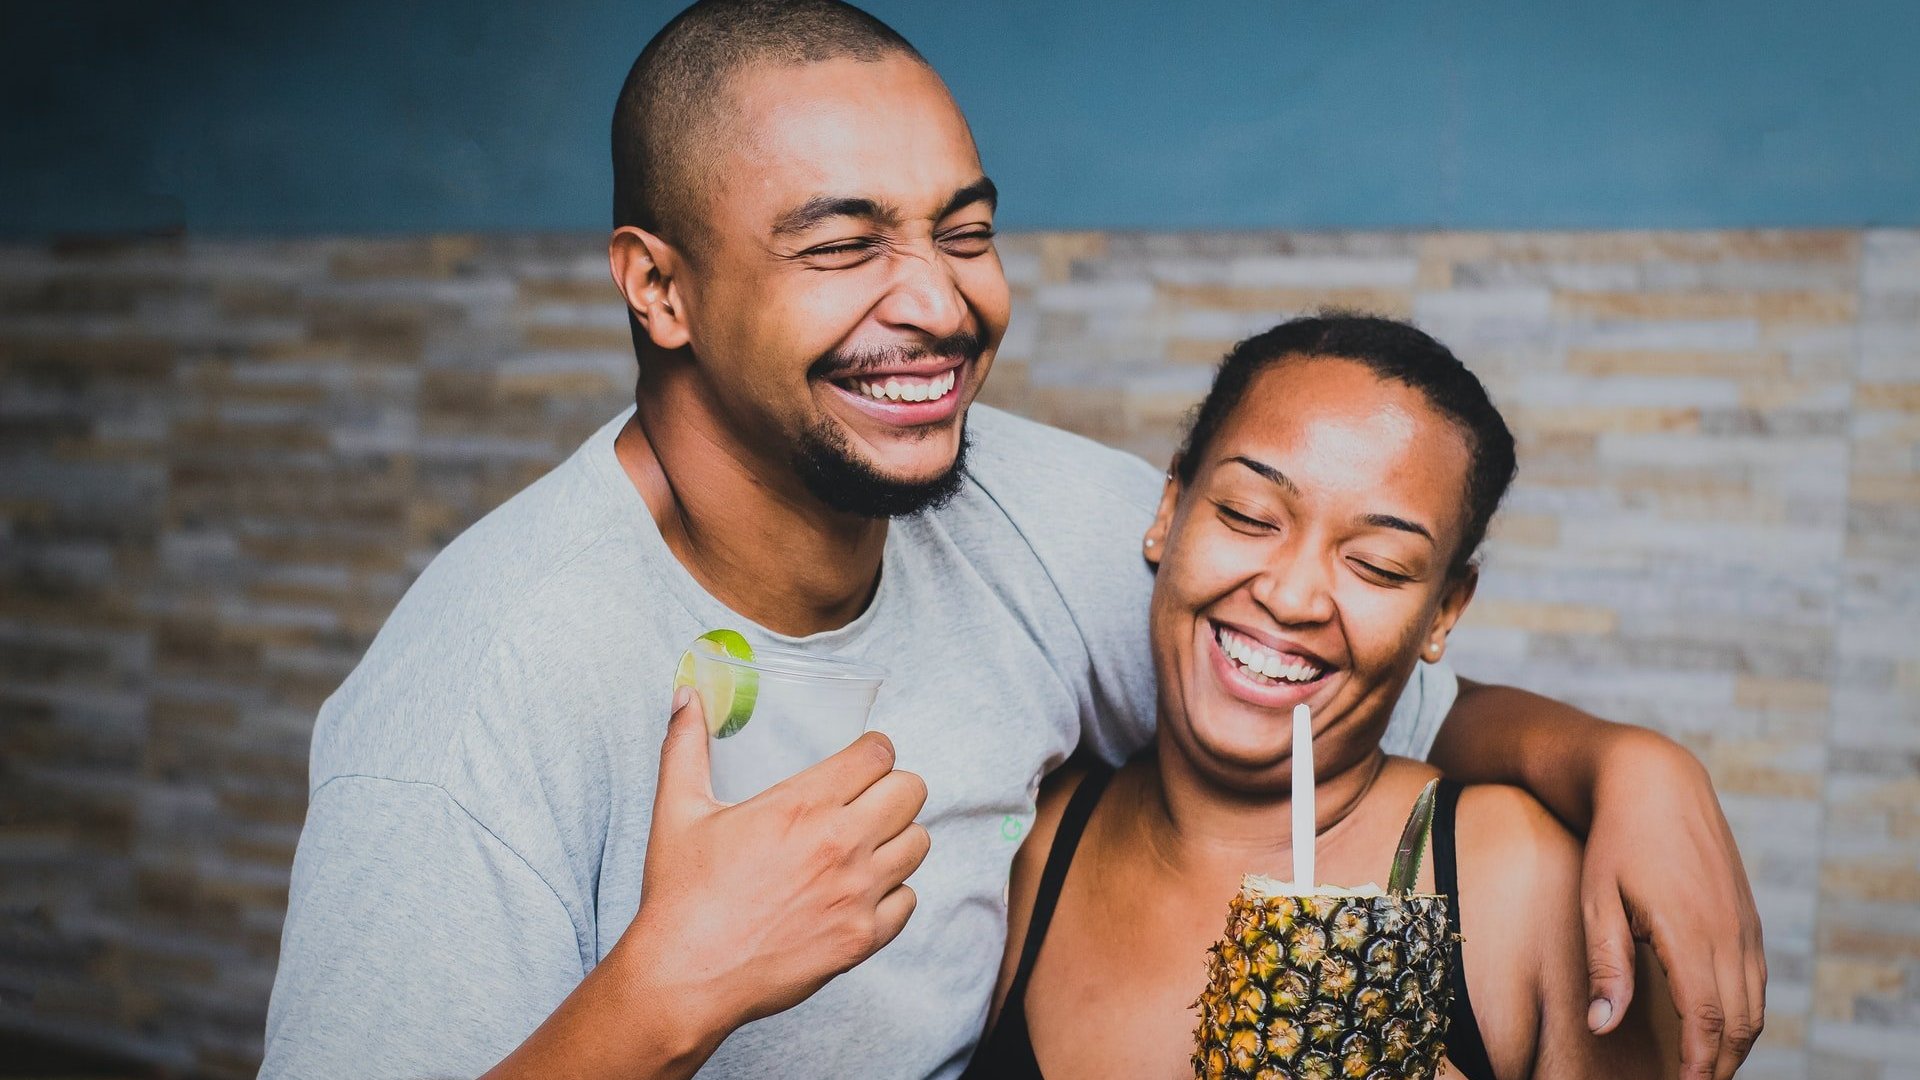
(924, 296)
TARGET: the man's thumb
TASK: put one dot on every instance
(684, 771)
(1609, 964)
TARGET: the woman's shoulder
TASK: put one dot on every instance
(1056, 792)
(1029, 864)
(1514, 843)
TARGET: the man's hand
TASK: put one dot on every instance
(1660, 862)
(1661, 867)
(748, 909)
(745, 910)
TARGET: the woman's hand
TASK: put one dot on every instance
(1661, 867)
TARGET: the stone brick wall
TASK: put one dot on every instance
(222, 462)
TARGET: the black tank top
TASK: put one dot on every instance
(1007, 1051)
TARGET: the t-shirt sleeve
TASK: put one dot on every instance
(1422, 708)
(417, 944)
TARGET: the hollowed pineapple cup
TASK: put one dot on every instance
(1319, 987)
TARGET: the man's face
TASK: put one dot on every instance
(847, 302)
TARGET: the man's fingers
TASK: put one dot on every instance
(1757, 991)
(897, 859)
(889, 805)
(1609, 960)
(841, 779)
(890, 917)
(1703, 1019)
(1756, 981)
(1740, 1026)
(684, 773)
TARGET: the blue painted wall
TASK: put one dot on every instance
(361, 116)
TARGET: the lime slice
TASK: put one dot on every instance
(726, 692)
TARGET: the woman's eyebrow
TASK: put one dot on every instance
(1382, 521)
(1388, 521)
(1267, 471)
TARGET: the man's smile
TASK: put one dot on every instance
(915, 394)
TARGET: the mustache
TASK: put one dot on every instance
(847, 364)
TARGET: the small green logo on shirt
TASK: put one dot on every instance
(1011, 827)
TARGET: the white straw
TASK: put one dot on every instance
(1302, 797)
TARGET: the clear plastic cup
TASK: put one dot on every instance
(806, 708)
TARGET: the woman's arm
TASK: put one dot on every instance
(1659, 864)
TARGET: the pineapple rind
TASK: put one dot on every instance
(1335, 983)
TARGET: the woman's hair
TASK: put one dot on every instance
(1393, 351)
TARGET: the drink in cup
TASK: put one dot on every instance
(773, 711)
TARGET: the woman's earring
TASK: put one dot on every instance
(1433, 648)
(1149, 541)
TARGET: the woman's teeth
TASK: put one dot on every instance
(1263, 663)
(908, 388)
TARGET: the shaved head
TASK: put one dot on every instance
(670, 121)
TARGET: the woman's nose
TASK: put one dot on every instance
(1297, 587)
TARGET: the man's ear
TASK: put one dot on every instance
(1155, 543)
(644, 269)
(1453, 604)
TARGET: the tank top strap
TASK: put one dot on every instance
(1465, 1047)
(1066, 840)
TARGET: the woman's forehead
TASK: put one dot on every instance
(1335, 424)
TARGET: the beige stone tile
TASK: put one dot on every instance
(1788, 307)
(1886, 878)
(1839, 981)
(1527, 530)
(1743, 365)
(1396, 303)
(1597, 420)
(1897, 397)
(1059, 251)
(1543, 617)
(1759, 692)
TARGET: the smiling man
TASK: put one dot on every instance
(512, 859)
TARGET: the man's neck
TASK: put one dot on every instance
(747, 530)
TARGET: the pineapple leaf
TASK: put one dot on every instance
(1413, 843)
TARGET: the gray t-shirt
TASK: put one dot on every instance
(481, 784)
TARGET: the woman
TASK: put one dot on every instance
(1315, 540)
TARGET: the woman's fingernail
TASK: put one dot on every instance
(681, 697)
(1599, 1013)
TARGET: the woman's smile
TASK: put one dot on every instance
(1265, 672)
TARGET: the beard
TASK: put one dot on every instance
(827, 465)
(829, 469)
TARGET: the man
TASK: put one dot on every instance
(510, 854)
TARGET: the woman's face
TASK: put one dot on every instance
(1307, 562)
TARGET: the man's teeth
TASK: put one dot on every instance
(1259, 660)
(911, 388)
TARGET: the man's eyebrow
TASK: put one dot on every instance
(822, 207)
(1388, 521)
(981, 190)
(1269, 472)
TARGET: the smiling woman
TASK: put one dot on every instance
(1314, 542)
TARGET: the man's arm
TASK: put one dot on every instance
(745, 909)
(416, 944)
(1660, 862)
(419, 945)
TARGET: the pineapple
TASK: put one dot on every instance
(1337, 984)
(1313, 982)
